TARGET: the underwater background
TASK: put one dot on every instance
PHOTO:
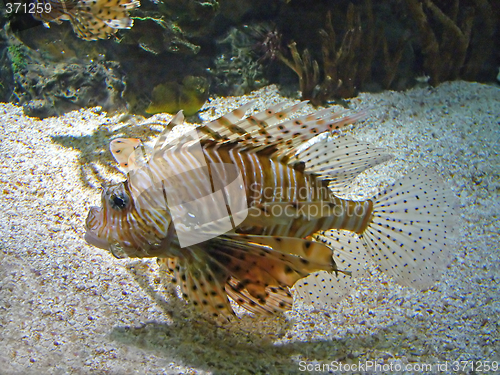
(427, 71)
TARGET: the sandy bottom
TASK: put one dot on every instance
(66, 307)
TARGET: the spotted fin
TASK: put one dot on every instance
(349, 252)
(98, 19)
(279, 299)
(324, 289)
(271, 127)
(91, 19)
(340, 159)
(258, 267)
(202, 283)
(411, 232)
(254, 274)
(291, 133)
(284, 138)
(232, 125)
(122, 150)
(226, 125)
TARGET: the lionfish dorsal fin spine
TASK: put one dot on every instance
(272, 128)
(288, 135)
(232, 128)
(161, 141)
(226, 125)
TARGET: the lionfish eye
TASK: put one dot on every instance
(118, 201)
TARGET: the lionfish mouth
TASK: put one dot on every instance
(94, 219)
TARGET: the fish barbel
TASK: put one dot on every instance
(293, 224)
(91, 19)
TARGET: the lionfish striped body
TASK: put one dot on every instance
(294, 225)
(91, 19)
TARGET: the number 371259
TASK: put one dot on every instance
(33, 8)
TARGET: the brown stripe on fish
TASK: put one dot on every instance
(287, 188)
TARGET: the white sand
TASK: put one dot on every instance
(66, 307)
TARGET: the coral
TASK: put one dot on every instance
(368, 45)
(171, 26)
(446, 37)
(46, 89)
(340, 64)
(346, 64)
(306, 68)
(237, 70)
(47, 86)
(52, 89)
(153, 34)
(194, 17)
(18, 57)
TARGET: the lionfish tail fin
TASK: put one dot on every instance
(411, 231)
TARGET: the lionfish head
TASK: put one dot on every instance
(125, 226)
(105, 224)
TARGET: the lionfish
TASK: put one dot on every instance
(295, 232)
(91, 19)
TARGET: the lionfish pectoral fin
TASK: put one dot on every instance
(278, 298)
(203, 284)
(263, 268)
(316, 255)
(321, 288)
